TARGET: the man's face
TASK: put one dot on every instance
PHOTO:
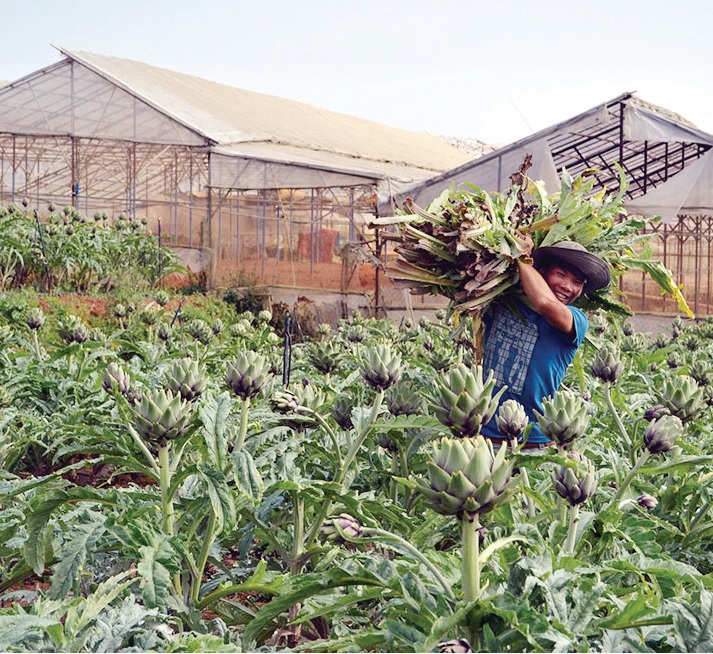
(566, 286)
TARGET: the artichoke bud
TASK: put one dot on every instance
(187, 378)
(458, 645)
(647, 501)
(607, 365)
(119, 310)
(35, 318)
(164, 331)
(381, 367)
(701, 372)
(340, 528)
(661, 434)
(284, 402)
(656, 411)
(511, 419)
(464, 402)
(71, 329)
(575, 483)
(161, 416)
(248, 374)
(217, 327)
(465, 476)
(199, 329)
(564, 418)
(404, 399)
(683, 397)
(325, 356)
(342, 411)
(115, 377)
(149, 316)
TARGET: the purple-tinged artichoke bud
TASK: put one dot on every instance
(381, 367)
(661, 340)
(187, 378)
(465, 476)
(404, 399)
(248, 374)
(119, 310)
(647, 501)
(456, 646)
(575, 483)
(355, 333)
(72, 330)
(464, 401)
(115, 377)
(606, 365)
(325, 356)
(674, 360)
(217, 327)
(627, 329)
(564, 418)
(35, 318)
(342, 411)
(683, 397)
(149, 316)
(700, 371)
(162, 298)
(656, 411)
(164, 331)
(340, 528)
(661, 434)
(511, 419)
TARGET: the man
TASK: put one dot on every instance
(529, 348)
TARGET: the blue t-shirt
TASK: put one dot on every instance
(529, 356)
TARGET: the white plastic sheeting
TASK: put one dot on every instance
(688, 189)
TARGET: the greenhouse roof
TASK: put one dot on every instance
(100, 97)
(667, 161)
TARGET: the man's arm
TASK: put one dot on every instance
(543, 300)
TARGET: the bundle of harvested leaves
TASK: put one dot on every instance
(465, 244)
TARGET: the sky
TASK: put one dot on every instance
(493, 70)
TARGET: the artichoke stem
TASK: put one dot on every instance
(530, 501)
(627, 481)
(243, 425)
(471, 556)
(299, 532)
(394, 474)
(615, 415)
(572, 530)
(36, 343)
(361, 437)
(165, 480)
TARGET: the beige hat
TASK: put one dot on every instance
(595, 271)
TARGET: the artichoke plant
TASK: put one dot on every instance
(248, 374)
(683, 396)
(465, 476)
(186, 377)
(161, 416)
(115, 377)
(564, 418)
(464, 401)
(511, 419)
(606, 365)
(381, 367)
(575, 482)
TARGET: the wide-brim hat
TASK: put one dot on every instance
(595, 271)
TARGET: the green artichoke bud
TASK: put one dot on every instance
(217, 327)
(264, 315)
(162, 298)
(187, 378)
(119, 310)
(701, 371)
(284, 402)
(342, 411)
(35, 318)
(164, 331)
(161, 416)
(115, 377)
(72, 330)
(463, 401)
(338, 527)
(511, 419)
(661, 434)
(381, 367)
(564, 418)
(683, 397)
(149, 316)
(248, 374)
(607, 365)
(575, 483)
(199, 329)
(633, 343)
(441, 358)
(465, 476)
(325, 356)
(661, 340)
(404, 399)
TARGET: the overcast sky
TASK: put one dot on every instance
(492, 70)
